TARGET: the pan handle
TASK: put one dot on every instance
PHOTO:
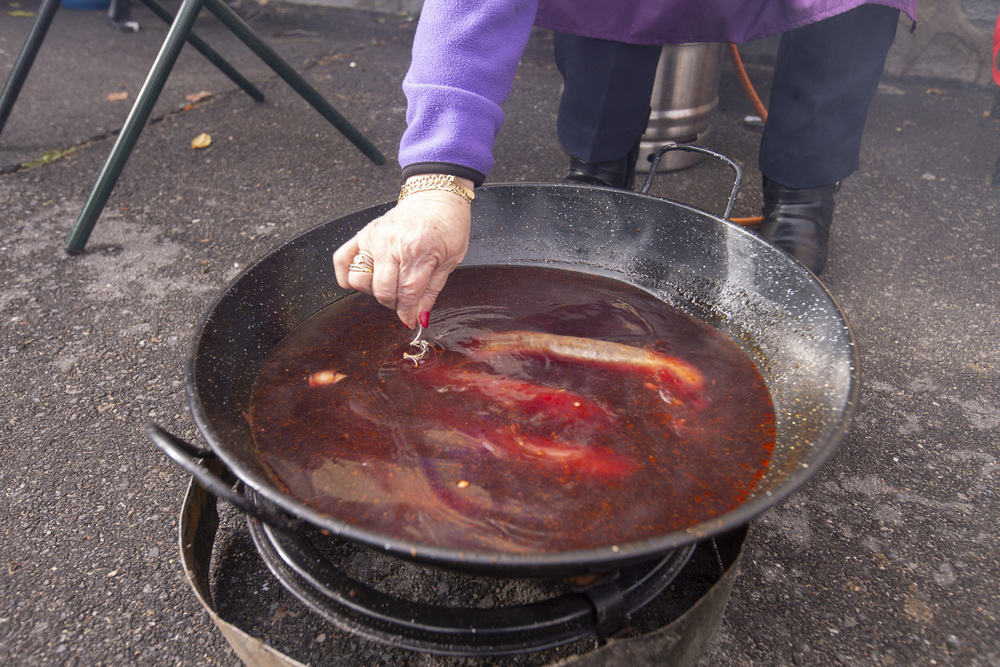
(655, 161)
(188, 457)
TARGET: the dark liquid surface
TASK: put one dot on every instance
(514, 450)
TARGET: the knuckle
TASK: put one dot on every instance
(384, 296)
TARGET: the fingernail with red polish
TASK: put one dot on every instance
(425, 319)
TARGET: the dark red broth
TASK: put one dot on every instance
(512, 452)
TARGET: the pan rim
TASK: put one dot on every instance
(534, 563)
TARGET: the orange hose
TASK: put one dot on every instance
(748, 88)
(741, 74)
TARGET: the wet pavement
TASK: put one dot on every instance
(886, 557)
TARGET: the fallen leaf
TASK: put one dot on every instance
(20, 14)
(203, 140)
(935, 91)
(117, 97)
(198, 97)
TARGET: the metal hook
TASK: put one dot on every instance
(419, 344)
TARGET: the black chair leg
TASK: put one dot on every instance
(239, 27)
(207, 51)
(144, 103)
(27, 56)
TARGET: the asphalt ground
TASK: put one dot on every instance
(886, 557)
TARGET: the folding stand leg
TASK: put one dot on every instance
(207, 51)
(179, 32)
(41, 26)
(136, 120)
(26, 58)
(239, 27)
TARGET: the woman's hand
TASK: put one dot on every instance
(415, 246)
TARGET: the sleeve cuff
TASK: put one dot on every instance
(417, 168)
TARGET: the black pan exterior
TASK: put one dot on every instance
(764, 301)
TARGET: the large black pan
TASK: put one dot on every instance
(770, 306)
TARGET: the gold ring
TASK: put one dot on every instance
(363, 262)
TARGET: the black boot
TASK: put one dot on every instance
(618, 173)
(798, 221)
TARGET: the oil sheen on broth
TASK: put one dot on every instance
(556, 411)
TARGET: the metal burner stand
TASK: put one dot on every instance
(599, 610)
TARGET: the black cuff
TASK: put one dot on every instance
(417, 168)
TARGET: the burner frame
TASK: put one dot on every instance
(679, 641)
(600, 609)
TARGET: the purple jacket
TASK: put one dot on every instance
(465, 54)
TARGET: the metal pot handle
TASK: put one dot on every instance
(188, 456)
(655, 161)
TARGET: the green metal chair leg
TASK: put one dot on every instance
(27, 56)
(144, 103)
(207, 51)
(232, 21)
(180, 31)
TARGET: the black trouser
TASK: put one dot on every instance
(825, 77)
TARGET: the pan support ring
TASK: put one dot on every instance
(598, 610)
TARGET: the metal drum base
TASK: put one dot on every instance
(685, 94)
(676, 643)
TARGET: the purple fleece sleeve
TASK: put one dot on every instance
(465, 54)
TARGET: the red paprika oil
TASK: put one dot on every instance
(521, 450)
